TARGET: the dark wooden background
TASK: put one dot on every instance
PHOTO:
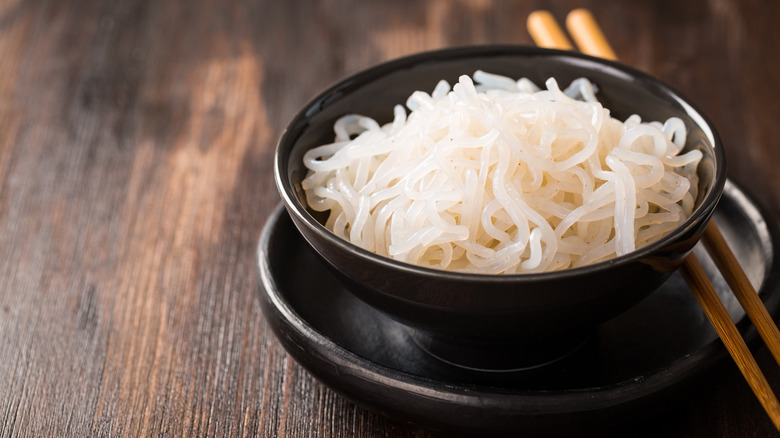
(136, 141)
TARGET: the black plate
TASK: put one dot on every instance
(630, 364)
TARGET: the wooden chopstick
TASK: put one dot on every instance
(546, 32)
(716, 312)
(746, 295)
(588, 35)
(591, 40)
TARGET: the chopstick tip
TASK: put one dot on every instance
(578, 14)
(538, 14)
(545, 31)
(587, 34)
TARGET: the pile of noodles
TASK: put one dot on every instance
(503, 177)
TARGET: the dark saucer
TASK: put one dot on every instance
(635, 362)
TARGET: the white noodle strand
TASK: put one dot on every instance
(503, 177)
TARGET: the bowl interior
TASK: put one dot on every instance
(374, 92)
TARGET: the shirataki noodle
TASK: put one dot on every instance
(503, 177)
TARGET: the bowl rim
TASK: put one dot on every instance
(355, 80)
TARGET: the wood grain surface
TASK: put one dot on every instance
(136, 144)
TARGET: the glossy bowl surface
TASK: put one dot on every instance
(478, 309)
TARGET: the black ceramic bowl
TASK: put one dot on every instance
(465, 318)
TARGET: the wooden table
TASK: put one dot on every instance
(136, 142)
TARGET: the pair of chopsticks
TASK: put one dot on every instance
(590, 40)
